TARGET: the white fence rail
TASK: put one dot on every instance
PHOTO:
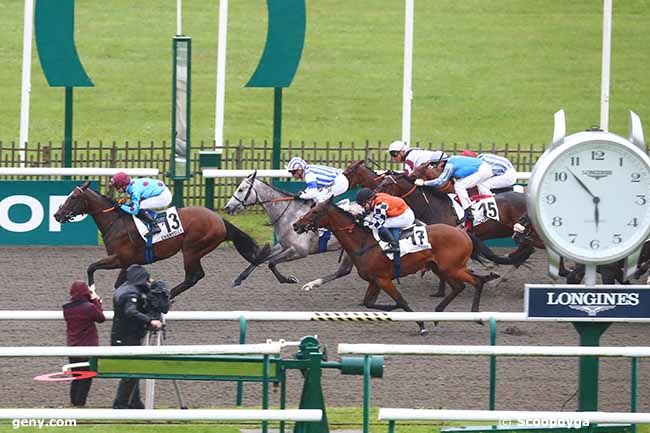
(167, 414)
(458, 350)
(400, 414)
(272, 348)
(75, 171)
(324, 316)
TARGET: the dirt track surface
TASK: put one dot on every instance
(37, 279)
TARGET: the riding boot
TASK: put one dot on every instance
(386, 236)
(148, 220)
(469, 218)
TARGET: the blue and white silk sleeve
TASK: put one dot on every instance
(446, 174)
(377, 218)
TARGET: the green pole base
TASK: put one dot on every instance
(177, 198)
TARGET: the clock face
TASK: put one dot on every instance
(593, 201)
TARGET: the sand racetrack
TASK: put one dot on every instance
(37, 278)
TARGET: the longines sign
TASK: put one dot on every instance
(599, 303)
(27, 211)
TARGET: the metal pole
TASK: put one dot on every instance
(242, 340)
(604, 79)
(277, 127)
(221, 75)
(366, 394)
(179, 12)
(588, 377)
(265, 391)
(633, 388)
(493, 364)
(67, 141)
(26, 86)
(407, 91)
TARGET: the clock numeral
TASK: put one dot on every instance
(594, 244)
(635, 177)
(560, 177)
(575, 160)
(597, 155)
(641, 199)
(617, 238)
(557, 221)
(633, 222)
(573, 237)
(550, 199)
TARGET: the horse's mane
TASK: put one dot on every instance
(100, 194)
(281, 191)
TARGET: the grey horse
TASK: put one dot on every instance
(283, 210)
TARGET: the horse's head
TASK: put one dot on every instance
(75, 204)
(359, 174)
(395, 184)
(430, 171)
(314, 219)
(244, 195)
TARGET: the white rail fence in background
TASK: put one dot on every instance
(323, 316)
(75, 171)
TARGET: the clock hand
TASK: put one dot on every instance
(581, 183)
(596, 214)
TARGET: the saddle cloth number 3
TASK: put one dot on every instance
(169, 223)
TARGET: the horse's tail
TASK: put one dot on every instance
(246, 245)
(516, 258)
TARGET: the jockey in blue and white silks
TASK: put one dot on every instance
(466, 171)
(504, 174)
(322, 181)
(145, 193)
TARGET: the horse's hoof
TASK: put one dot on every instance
(307, 287)
(236, 283)
(435, 323)
(424, 332)
(291, 280)
(480, 322)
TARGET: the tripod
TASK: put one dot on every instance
(156, 338)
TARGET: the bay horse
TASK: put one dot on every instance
(450, 251)
(204, 230)
(283, 209)
(359, 174)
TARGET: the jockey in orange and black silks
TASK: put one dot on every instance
(145, 193)
(386, 213)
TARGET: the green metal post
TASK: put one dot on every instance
(177, 198)
(366, 394)
(391, 426)
(242, 340)
(493, 364)
(590, 333)
(277, 127)
(312, 391)
(633, 388)
(283, 394)
(67, 135)
(209, 160)
(265, 391)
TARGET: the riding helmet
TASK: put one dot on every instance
(398, 146)
(120, 180)
(296, 164)
(364, 195)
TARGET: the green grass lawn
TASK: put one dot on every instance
(483, 71)
(339, 419)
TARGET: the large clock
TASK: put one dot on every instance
(589, 195)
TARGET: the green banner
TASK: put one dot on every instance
(27, 211)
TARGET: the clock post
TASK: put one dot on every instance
(592, 222)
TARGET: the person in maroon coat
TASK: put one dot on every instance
(81, 314)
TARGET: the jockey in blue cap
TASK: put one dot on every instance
(322, 181)
(146, 193)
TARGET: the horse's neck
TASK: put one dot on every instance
(371, 178)
(351, 240)
(96, 205)
(438, 209)
(278, 211)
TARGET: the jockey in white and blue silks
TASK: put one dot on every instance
(504, 174)
(146, 193)
(466, 171)
(322, 181)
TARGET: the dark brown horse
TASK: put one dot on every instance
(204, 230)
(450, 251)
(359, 174)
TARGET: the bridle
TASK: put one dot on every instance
(410, 191)
(244, 203)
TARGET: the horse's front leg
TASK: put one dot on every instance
(344, 268)
(275, 250)
(110, 262)
(287, 255)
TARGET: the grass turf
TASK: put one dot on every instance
(483, 71)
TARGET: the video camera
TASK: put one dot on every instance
(157, 300)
